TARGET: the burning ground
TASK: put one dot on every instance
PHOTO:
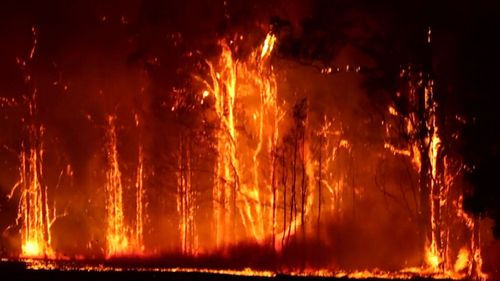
(317, 138)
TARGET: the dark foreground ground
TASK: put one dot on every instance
(14, 270)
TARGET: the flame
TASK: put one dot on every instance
(258, 174)
(331, 144)
(436, 191)
(432, 258)
(34, 213)
(33, 209)
(436, 179)
(116, 233)
(119, 239)
(393, 111)
(226, 181)
(407, 273)
(185, 200)
(238, 194)
(139, 185)
(245, 189)
(463, 260)
(268, 46)
(476, 259)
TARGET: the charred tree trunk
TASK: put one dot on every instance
(429, 189)
(424, 175)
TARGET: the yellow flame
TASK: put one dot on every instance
(268, 45)
(463, 259)
(393, 111)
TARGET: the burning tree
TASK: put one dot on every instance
(241, 162)
(191, 133)
(417, 122)
(34, 213)
(121, 238)
(246, 105)
(295, 148)
(116, 232)
(329, 142)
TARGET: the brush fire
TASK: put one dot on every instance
(242, 149)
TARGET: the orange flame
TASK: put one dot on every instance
(245, 92)
(425, 143)
(185, 200)
(119, 239)
(33, 209)
(116, 234)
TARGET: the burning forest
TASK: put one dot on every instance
(305, 138)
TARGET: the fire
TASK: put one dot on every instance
(239, 194)
(33, 208)
(275, 177)
(34, 213)
(393, 111)
(268, 45)
(248, 171)
(185, 200)
(140, 200)
(425, 150)
(246, 186)
(409, 273)
(119, 239)
(475, 260)
(463, 260)
(116, 233)
(432, 258)
(331, 144)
